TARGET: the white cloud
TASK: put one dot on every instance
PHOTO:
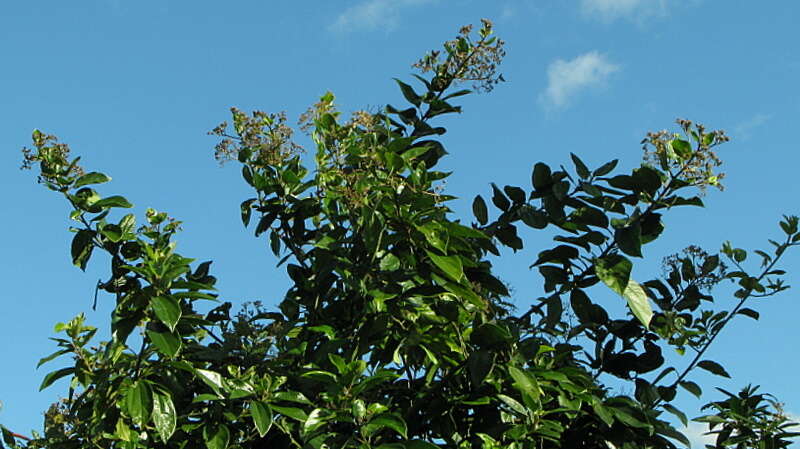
(566, 79)
(694, 432)
(745, 129)
(609, 10)
(371, 15)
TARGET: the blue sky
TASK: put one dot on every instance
(133, 87)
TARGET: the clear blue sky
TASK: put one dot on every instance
(134, 87)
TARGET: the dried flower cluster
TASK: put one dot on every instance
(695, 257)
(467, 60)
(695, 166)
(53, 157)
(364, 120)
(313, 113)
(265, 136)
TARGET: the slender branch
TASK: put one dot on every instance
(139, 358)
(727, 319)
(21, 437)
(211, 334)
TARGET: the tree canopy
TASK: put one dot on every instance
(396, 332)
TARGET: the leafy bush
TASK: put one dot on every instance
(396, 332)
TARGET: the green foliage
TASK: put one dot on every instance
(395, 332)
(748, 420)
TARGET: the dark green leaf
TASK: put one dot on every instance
(166, 343)
(670, 432)
(292, 396)
(91, 178)
(623, 416)
(408, 93)
(524, 383)
(667, 393)
(614, 271)
(52, 356)
(646, 179)
(139, 402)
(678, 414)
(532, 217)
(499, 199)
(629, 239)
(713, 367)
(450, 265)
(113, 201)
(216, 436)
(554, 311)
(247, 210)
(385, 420)
(710, 264)
(606, 168)
(749, 312)
(164, 417)
(315, 419)
(479, 209)
(603, 413)
(580, 167)
(265, 222)
(516, 194)
(112, 232)
(211, 378)
(562, 253)
(583, 308)
(691, 387)
(513, 404)
(54, 376)
(553, 277)
(291, 412)
(389, 262)
(167, 309)
(82, 246)
(458, 93)
(262, 416)
(645, 392)
(490, 334)
(541, 177)
(590, 216)
(682, 148)
(480, 364)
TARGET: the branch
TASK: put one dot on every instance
(727, 319)
(21, 437)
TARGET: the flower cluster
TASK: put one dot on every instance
(695, 166)
(53, 158)
(467, 60)
(266, 138)
(707, 269)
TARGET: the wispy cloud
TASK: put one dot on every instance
(745, 129)
(567, 79)
(609, 10)
(370, 15)
(508, 12)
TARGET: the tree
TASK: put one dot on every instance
(396, 332)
